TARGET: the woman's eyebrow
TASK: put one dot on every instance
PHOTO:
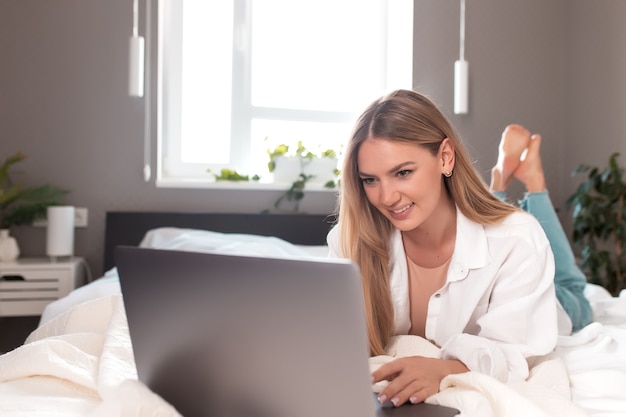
(391, 171)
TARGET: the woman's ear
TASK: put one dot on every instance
(447, 156)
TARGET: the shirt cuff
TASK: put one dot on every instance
(486, 356)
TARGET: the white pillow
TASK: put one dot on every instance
(246, 244)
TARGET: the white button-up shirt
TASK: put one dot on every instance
(498, 305)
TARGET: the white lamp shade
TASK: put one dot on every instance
(60, 231)
(136, 66)
(461, 86)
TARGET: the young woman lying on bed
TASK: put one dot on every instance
(441, 257)
(80, 361)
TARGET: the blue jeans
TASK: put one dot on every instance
(569, 280)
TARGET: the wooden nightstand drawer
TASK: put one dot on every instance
(28, 285)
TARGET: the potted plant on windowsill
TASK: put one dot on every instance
(289, 166)
(20, 205)
(599, 230)
(299, 168)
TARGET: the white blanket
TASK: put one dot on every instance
(595, 357)
(79, 362)
(546, 393)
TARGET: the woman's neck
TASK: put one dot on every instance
(432, 243)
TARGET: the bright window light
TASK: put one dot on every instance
(236, 77)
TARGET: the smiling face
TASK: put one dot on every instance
(404, 181)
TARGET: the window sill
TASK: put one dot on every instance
(236, 185)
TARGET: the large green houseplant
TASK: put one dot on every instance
(599, 232)
(19, 204)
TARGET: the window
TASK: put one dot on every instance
(238, 77)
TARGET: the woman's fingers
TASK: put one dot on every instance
(411, 379)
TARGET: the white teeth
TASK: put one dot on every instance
(402, 210)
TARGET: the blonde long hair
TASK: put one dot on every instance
(365, 233)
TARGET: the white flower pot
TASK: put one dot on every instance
(9, 250)
(289, 168)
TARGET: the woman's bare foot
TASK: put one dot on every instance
(514, 142)
(530, 170)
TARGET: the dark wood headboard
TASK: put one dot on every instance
(128, 228)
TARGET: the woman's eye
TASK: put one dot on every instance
(403, 173)
(367, 181)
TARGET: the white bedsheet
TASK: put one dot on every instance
(79, 361)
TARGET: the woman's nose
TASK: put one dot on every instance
(388, 194)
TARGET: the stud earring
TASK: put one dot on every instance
(447, 174)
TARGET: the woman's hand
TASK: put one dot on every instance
(414, 378)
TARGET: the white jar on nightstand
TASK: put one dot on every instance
(9, 250)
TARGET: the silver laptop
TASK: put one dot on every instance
(225, 335)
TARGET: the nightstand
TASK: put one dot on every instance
(29, 284)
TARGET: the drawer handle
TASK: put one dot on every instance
(12, 278)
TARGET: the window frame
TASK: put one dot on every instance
(168, 81)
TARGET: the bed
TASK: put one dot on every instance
(79, 360)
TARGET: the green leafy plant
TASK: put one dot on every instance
(599, 231)
(301, 151)
(296, 191)
(232, 175)
(20, 205)
(294, 194)
(280, 150)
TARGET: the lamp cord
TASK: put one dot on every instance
(462, 32)
(135, 17)
(147, 171)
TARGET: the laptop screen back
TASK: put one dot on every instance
(238, 336)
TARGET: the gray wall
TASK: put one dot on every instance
(595, 97)
(553, 65)
(517, 56)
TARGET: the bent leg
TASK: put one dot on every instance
(569, 280)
